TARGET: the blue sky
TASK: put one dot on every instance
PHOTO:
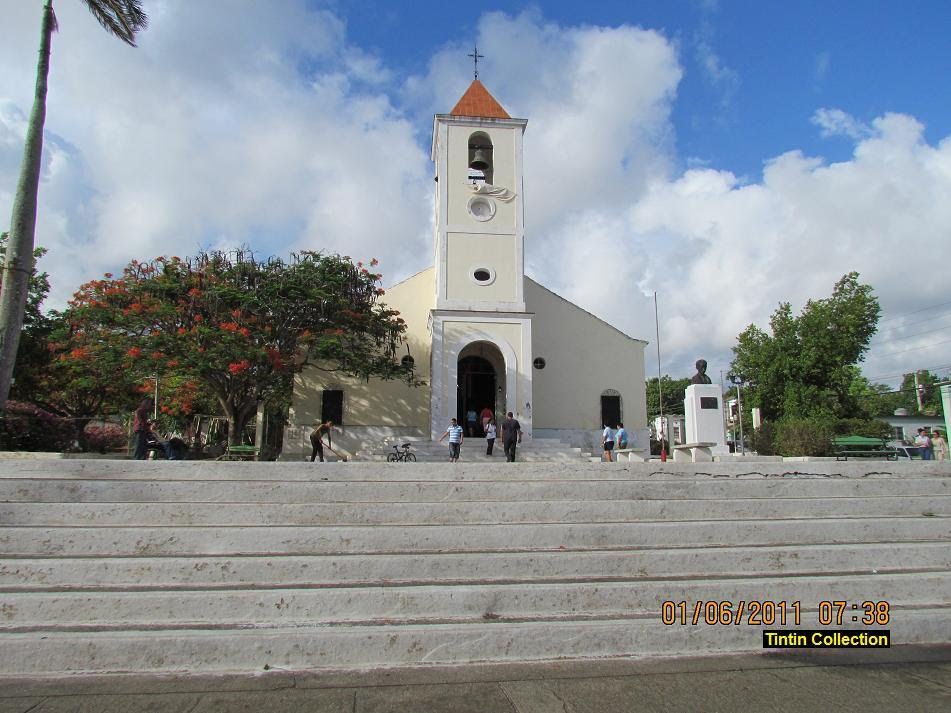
(728, 155)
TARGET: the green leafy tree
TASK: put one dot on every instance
(884, 401)
(86, 373)
(806, 366)
(237, 327)
(122, 18)
(673, 392)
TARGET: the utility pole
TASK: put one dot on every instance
(660, 389)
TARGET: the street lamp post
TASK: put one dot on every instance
(738, 383)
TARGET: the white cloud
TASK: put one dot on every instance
(835, 122)
(275, 130)
(220, 129)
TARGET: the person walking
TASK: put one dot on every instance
(486, 415)
(940, 446)
(141, 428)
(456, 438)
(924, 443)
(316, 439)
(511, 436)
(621, 437)
(490, 433)
(607, 442)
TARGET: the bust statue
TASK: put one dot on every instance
(701, 376)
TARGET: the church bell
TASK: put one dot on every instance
(481, 158)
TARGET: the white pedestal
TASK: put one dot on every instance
(703, 408)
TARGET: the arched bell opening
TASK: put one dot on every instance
(480, 384)
(480, 158)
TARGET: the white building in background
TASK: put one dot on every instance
(480, 332)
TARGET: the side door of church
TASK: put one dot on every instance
(610, 410)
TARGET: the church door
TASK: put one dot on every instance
(476, 389)
(610, 408)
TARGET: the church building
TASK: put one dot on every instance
(481, 333)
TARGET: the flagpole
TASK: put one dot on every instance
(660, 389)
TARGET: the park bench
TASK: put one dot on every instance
(629, 454)
(693, 452)
(862, 447)
(239, 453)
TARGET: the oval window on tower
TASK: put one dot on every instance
(482, 275)
(539, 363)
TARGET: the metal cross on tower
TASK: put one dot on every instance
(475, 58)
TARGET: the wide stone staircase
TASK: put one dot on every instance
(207, 568)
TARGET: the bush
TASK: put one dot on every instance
(812, 437)
(25, 427)
(105, 439)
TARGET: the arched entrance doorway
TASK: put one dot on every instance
(480, 380)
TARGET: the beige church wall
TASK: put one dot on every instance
(465, 251)
(379, 408)
(584, 356)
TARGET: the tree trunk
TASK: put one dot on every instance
(19, 259)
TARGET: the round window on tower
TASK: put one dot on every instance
(538, 363)
(482, 275)
(481, 208)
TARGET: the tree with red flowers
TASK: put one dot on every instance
(236, 327)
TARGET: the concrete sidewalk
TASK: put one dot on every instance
(909, 678)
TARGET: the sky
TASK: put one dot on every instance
(725, 155)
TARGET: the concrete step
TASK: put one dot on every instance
(272, 608)
(308, 571)
(463, 513)
(363, 647)
(578, 472)
(178, 567)
(340, 487)
(79, 541)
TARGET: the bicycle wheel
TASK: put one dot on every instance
(410, 457)
(392, 458)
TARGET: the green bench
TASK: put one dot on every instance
(239, 453)
(862, 447)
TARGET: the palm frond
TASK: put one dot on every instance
(122, 18)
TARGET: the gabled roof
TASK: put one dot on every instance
(478, 102)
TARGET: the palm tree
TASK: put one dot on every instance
(122, 18)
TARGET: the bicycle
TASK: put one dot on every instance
(401, 454)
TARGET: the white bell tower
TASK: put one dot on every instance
(479, 262)
(477, 149)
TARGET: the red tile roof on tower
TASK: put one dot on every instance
(478, 102)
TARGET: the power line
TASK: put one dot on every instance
(915, 349)
(923, 309)
(907, 336)
(920, 321)
(902, 374)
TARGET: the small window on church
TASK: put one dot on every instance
(482, 275)
(408, 361)
(539, 363)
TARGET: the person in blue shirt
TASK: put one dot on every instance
(455, 440)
